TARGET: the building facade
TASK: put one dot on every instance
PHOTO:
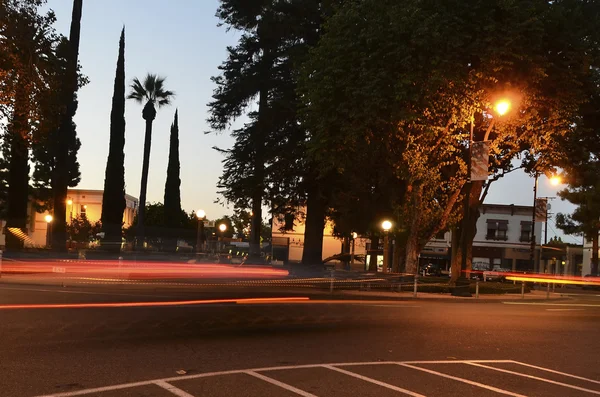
(503, 240)
(79, 202)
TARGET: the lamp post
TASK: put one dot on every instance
(48, 218)
(200, 214)
(501, 108)
(222, 228)
(386, 226)
(354, 237)
(70, 204)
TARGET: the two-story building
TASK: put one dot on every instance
(503, 239)
(79, 202)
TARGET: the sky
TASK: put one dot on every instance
(184, 44)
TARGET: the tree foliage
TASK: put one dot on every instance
(113, 199)
(398, 83)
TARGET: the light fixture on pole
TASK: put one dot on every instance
(354, 237)
(48, 218)
(500, 108)
(386, 226)
(222, 228)
(201, 215)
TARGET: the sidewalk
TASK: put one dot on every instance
(532, 296)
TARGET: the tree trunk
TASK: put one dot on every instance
(412, 243)
(374, 250)
(595, 254)
(312, 254)
(144, 182)
(397, 254)
(60, 180)
(18, 173)
(455, 264)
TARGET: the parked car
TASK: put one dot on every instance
(431, 270)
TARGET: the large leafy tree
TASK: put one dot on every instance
(173, 211)
(266, 165)
(581, 165)
(27, 60)
(410, 76)
(152, 93)
(113, 199)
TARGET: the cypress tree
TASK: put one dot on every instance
(113, 200)
(173, 218)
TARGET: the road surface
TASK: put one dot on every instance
(306, 348)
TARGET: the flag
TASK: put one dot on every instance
(480, 155)
(541, 211)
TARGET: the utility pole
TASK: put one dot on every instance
(532, 253)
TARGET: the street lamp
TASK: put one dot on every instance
(501, 107)
(222, 228)
(48, 218)
(354, 237)
(555, 180)
(386, 226)
(200, 214)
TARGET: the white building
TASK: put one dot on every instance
(502, 239)
(79, 202)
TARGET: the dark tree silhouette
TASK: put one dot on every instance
(154, 94)
(66, 134)
(113, 199)
(173, 217)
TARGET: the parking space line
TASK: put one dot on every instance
(169, 387)
(280, 384)
(470, 382)
(371, 380)
(506, 371)
(556, 372)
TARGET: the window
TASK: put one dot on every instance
(525, 231)
(496, 229)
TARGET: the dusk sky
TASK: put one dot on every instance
(180, 40)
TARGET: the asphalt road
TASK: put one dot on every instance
(308, 348)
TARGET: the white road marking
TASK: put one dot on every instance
(551, 304)
(371, 380)
(175, 390)
(557, 372)
(280, 384)
(470, 382)
(255, 372)
(535, 378)
(564, 310)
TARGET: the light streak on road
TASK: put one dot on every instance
(246, 301)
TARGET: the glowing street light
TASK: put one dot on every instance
(222, 227)
(201, 214)
(48, 218)
(386, 226)
(502, 107)
(555, 180)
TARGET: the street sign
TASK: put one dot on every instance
(480, 155)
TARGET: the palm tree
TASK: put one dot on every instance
(154, 94)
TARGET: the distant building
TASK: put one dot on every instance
(502, 240)
(79, 202)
